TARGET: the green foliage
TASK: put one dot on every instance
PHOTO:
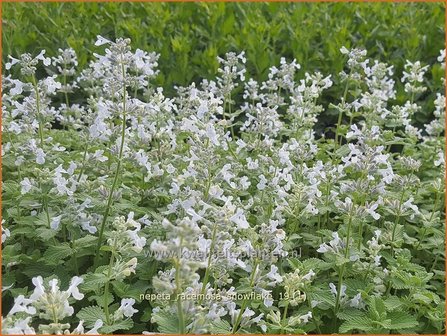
(357, 273)
(189, 36)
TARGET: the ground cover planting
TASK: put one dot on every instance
(301, 201)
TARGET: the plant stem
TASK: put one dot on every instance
(313, 314)
(39, 115)
(117, 172)
(205, 278)
(65, 87)
(179, 301)
(231, 124)
(435, 205)
(83, 163)
(343, 267)
(106, 287)
(245, 302)
(340, 114)
(284, 316)
(397, 221)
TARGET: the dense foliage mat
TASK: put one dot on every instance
(189, 36)
(207, 222)
(131, 203)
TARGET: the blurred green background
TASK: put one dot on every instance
(189, 36)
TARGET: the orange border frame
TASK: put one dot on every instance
(311, 1)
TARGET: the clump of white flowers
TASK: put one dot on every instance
(225, 207)
(48, 303)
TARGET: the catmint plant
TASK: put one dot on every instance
(222, 207)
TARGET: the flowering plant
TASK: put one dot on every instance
(196, 214)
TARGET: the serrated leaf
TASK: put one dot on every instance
(402, 320)
(220, 327)
(86, 241)
(347, 313)
(377, 307)
(38, 269)
(45, 233)
(393, 303)
(56, 254)
(167, 323)
(90, 315)
(323, 296)
(26, 230)
(92, 281)
(315, 264)
(120, 288)
(122, 325)
(362, 323)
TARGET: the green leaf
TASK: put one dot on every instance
(90, 315)
(402, 320)
(324, 297)
(121, 325)
(57, 254)
(377, 308)
(361, 322)
(348, 313)
(45, 234)
(220, 327)
(167, 323)
(86, 241)
(120, 288)
(393, 303)
(92, 281)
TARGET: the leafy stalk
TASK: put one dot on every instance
(343, 267)
(117, 172)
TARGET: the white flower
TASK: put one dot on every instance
(101, 41)
(94, 331)
(334, 246)
(309, 275)
(370, 209)
(98, 155)
(274, 275)
(73, 288)
(441, 58)
(46, 60)
(21, 327)
(39, 289)
(79, 330)
(40, 156)
(344, 50)
(5, 232)
(305, 318)
(18, 87)
(126, 307)
(139, 242)
(21, 305)
(409, 205)
(51, 85)
(26, 185)
(333, 288)
(441, 160)
(203, 109)
(13, 61)
(262, 182)
(324, 248)
(357, 301)
(239, 219)
(252, 164)
(211, 134)
(244, 182)
(55, 221)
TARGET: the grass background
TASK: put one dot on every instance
(189, 36)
